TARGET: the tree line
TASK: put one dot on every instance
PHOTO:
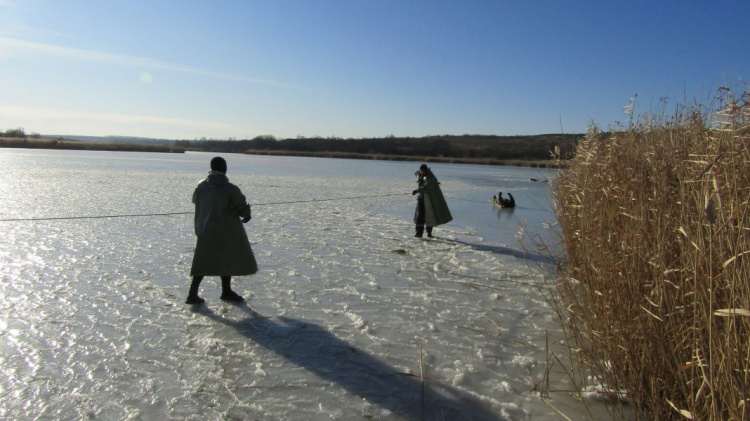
(18, 133)
(487, 149)
(521, 148)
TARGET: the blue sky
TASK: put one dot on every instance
(186, 69)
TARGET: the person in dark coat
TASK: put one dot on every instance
(432, 210)
(506, 203)
(222, 248)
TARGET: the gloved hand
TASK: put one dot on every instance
(249, 213)
(414, 192)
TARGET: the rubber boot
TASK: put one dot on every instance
(193, 297)
(420, 231)
(226, 290)
(429, 232)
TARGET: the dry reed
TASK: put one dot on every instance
(655, 289)
(47, 143)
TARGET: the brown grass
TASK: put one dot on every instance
(655, 291)
(46, 143)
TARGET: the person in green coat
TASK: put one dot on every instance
(432, 210)
(222, 247)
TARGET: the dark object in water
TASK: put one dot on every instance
(544, 180)
(504, 203)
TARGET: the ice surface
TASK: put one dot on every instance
(349, 317)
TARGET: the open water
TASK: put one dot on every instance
(350, 317)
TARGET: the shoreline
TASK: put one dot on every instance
(432, 159)
(46, 143)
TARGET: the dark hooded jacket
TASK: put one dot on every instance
(222, 248)
(435, 207)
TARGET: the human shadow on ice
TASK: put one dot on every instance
(507, 251)
(312, 347)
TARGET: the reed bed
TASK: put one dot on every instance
(655, 288)
(46, 143)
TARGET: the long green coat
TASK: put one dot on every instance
(222, 248)
(435, 208)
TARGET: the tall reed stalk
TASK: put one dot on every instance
(655, 290)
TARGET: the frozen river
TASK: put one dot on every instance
(350, 317)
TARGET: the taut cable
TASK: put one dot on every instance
(62, 218)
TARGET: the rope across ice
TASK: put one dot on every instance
(59, 218)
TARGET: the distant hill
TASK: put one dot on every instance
(114, 139)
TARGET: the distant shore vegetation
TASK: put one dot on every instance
(17, 138)
(547, 150)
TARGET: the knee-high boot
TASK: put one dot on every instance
(193, 297)
(226, 284)
(226, 290)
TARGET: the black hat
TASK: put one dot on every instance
(219, 164)
(423, 167)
